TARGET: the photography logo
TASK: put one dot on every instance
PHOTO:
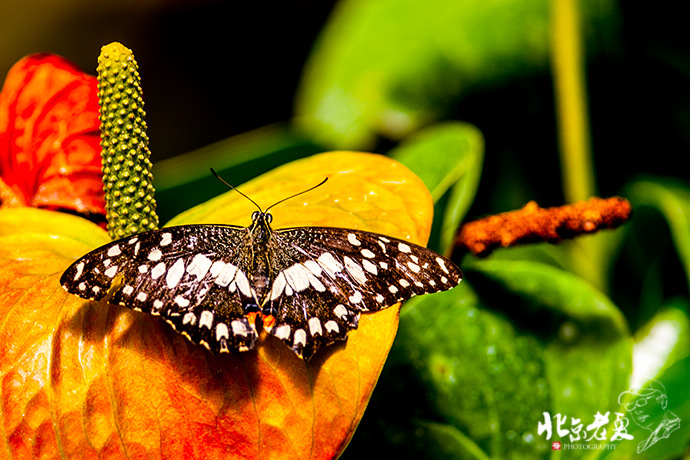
(650, 401)
(646, 405)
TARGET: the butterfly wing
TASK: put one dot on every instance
(324, 277)
(194, 276)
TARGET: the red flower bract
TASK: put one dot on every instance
(49, 137)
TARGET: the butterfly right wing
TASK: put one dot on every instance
(324, 277)
(194, 276)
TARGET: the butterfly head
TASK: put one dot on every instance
(262, 218)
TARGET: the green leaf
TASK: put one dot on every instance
(662, 352)
(445, 441)
(583, 330)
(448, 158)
(664, 340)
(461, 366)
(675, 380)
(672, 199)
(482, 363)
(388, 67)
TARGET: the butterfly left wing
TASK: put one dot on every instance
(194, 276)
(326, 276)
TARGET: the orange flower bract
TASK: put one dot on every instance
(49, 137)
(87, 379)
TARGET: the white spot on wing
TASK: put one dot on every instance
(383, 246)
(403, 247)
(355, 270)
(356, 297)
(313, 267)
(141, 297)
(199, 266)
(222, 332)
(316, 284)
(189, 318)
(158, 270)
(181, 301)
(352, 238)
(80, 269)
(442, 264)
(226, 275)
(166, 239)
(329, 264)
(340, 311)
(300, 338)
(206, 319)
(217, 268)
(239, 328)
(282, 332)
(370, 267)
(243, 283)
(368, 253)
(315, 326)
(278, 286)
(332, 326)
(414, 267)
(155, 255)
(114, 251)
(298, 277)
(111, 272)
(175, 273)
(127, 290)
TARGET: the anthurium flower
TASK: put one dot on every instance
(49, 137)
(88, 379)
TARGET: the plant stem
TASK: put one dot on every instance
(568, 67)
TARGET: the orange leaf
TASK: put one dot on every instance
(86, 379)
(49, 135)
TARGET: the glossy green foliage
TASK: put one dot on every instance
(388, 67)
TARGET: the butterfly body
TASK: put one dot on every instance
(308, 285)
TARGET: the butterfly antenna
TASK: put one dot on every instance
(298, 194)
(236, 189)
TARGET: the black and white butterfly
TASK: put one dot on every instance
(308, 285)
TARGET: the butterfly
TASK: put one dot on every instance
(213, 283)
